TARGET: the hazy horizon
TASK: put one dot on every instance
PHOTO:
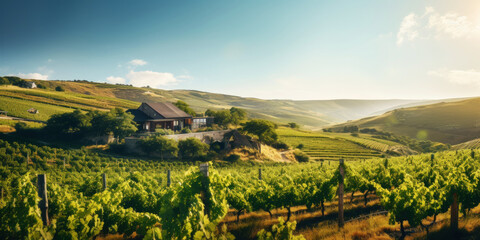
(282, 50)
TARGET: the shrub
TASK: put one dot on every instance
(162, 132)
(216, 146)
(192, 148)
(354, 134)
(232, 158)
(185, 130)
(116, 148)
(160, 145)
(20, 126)
(280, 145)
(281, 230)
(59, 89)
(301, 156)
(300, 146)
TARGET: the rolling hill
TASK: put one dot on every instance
(91, 95)
(447, 122)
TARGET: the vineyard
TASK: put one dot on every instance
(174, 200)
(321, 146)
(17, 101)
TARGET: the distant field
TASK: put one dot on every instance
(328, 146)
(446, 122)
(17, 101)
(19, 107)
(366, 141)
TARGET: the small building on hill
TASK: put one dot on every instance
(165, 115)
(28, 84)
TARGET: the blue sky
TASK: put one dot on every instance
(266, 49)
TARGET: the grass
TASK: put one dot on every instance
(313, 226)
(11, 123)
(19, 107)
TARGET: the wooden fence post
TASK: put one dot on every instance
(42, 193)
(169, 180)
(204, 169)
(341, 221)
(104, 178)
(260, 174)
(454, 213)
(205, 193)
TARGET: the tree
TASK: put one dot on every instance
(4, 81)
(185, 107)
(263, 129)
(293, 125)
(123, 124)
(225, 117)
(160, 145)
(237, 115)
(74, 123)
(101, 123)
(191, 148)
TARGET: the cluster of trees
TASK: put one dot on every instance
(264, 130)
(16, 81)
(185, 107)
(232, 116)
(345, 129)
(77, 124)
(188, 149)
(10, 80)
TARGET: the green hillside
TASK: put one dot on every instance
(310, 114)
(447, 122)
(18, 100)
(332, 146)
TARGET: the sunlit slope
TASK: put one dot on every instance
(17, 101)
(310, 114)
(332, 146)
(452, 122)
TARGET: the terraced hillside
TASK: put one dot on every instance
(327, 147)
(473, 144)
(17, 101)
